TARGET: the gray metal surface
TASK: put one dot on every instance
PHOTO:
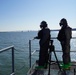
(54, 70)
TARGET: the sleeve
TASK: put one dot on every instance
(59, 35)
(68, 33)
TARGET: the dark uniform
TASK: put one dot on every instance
(44, 36)
(64, 36)
(44, 45)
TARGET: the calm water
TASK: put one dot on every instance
(20, 40)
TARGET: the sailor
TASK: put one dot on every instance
(64, 36)
(44, 36)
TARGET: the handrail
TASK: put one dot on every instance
(55, 51)
(56, 37)
(31, 53)
(5, 49)
(73, 29)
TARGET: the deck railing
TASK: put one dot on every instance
(31, 53)
(8, 48)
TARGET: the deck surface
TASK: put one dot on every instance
(54, 70)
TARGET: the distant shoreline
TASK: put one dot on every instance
(73, 29)
(19, 31)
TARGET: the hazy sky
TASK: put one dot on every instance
(27, 14)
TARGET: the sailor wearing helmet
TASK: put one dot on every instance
(44, 36)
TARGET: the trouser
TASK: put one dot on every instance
(43, 56)
(66, 53)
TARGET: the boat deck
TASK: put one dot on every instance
(54, 70)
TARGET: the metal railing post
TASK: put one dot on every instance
(12, 59)
(29, 53)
